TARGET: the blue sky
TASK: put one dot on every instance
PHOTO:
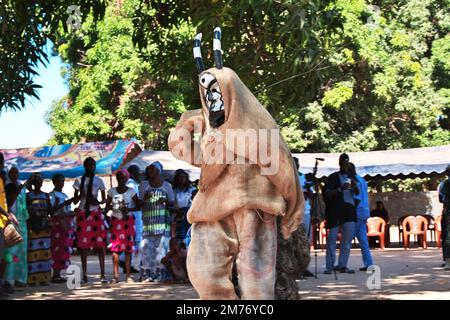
(27, 127)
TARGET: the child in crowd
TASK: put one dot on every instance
(123, 201)
(175, 260)
(62, 234)
(91, 231)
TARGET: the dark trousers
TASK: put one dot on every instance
(445, 248)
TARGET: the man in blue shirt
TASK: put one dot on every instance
(362, 214)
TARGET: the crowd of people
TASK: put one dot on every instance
(345, 195)
(346, 199)
(141, 222)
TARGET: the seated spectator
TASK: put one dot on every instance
(380, 211)
(175, 261)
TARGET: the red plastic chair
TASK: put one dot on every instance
(430, 220)
(376, 227)
(438, 230)
(323, 234)
(417, 226)
(400, 228)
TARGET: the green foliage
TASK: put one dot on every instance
(115, 92)
(337, 76)
(25, 27)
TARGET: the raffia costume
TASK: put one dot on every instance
(234, 213)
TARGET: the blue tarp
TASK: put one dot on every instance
(68, 159)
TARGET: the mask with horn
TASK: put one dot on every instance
(210, 89)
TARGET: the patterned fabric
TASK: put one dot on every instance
(38, 239)
(39, 256)
(91, 232)
(153, 249)
(63, 234)
(62, 242)
(38, 209)
(122, 234)
(18, 270)
(155, 216)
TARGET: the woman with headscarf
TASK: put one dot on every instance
(158, 197)
(123, 201)
(184, 194)
(16, 196)
(91, 231)
(39, 207)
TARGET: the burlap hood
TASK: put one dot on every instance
(243, 111)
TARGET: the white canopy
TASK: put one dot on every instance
(406, 162)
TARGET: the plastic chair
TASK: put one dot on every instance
(400, 228)
(430, 220)
(438, 230)
(416, 225)
(323, 234)
(376, 227)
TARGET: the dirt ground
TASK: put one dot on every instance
(411, 274)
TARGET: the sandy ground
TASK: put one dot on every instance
(411, 274)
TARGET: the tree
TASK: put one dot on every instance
(26, 26)
(337, 76)
(115, 90)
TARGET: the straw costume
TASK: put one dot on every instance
(234, 213)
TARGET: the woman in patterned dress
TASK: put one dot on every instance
(62, 233)
(123, 201)
(38, 204)
(91, 231)
(16, 196)
(158, 197)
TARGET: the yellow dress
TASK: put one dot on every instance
(3, 218)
